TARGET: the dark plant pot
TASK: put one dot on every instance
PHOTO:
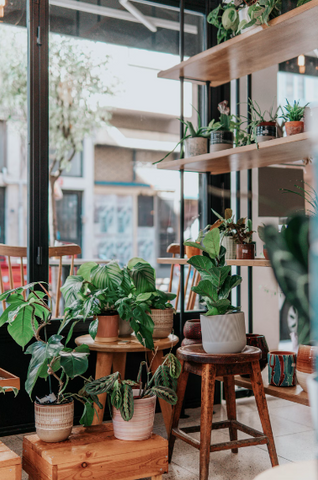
(293, 128)
(245, 251)
(266, 131)
(259, 341)
(192, 330)
(265, 252)
(221, 140)
(190, 341)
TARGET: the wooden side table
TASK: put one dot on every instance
(10, 464)
(113, 356)
(292, 471)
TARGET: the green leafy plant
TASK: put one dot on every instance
(302, 2)
(216, 281)
(224, 223)
(162, 384)
(225, 18)
(26, 318)
(261, 12)
(288, 252)
(225, 123)
(294, 112)
(242, 230)
(9, 389)
(309, 194)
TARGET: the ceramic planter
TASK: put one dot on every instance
(265, 253)
(54, 423)
(259, 341)
(107, 331)
(243, 15)
(266, 131)
(221, 140)
(192, 251)
(245, 251)
(192, 329)
(194, 146)
(305, 364)
(124, 328)
(282, 368)
(229, 243)
(141, 425)
(163, 320)
(292, 128)
(223, 333)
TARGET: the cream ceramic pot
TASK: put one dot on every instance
(141, 425)
(223, 333)
(54, 423)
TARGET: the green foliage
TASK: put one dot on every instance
(9, 389)
(309, 194)
(294, 112)
(225, 18)
(288, 252)
(261, 12)
(163, 384)
(302, 2)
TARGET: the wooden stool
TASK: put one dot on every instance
(94, 453)
(113, 356)
(10, 464)
(194, 360)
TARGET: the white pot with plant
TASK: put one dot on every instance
(223, 326)
(221, 132)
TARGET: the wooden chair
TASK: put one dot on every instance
(17, 278)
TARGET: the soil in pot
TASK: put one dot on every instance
(194, 146)
(221, 140)
(266, 131)
(108, 326)
(163, 320)
(54, 423)
(223, 333)
(140, 427)
(245, 251)
(293, 128)
(305, 364)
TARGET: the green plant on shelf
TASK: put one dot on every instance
(225, 122)
(309, 194)
(257, 118)
(302, 2)
(162, 384)
(9, 389)
(225, 18)
(261, 12)
(224, 224)
(242, 230)
(293, 112)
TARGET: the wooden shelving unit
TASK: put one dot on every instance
(272, 152)
(286, 37)
(257, 262)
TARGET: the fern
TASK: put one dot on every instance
(127, 406)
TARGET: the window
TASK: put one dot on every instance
(69, 217)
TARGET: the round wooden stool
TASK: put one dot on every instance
(112, 356)
(194, 360)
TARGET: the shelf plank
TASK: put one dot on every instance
(272, 152)
(292, 394)
(257, 262)
(7, 379)
(259, 48)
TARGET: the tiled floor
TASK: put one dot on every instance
(294, 438)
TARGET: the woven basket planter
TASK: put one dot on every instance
(163, 320)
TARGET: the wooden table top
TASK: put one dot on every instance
(294, 471)
(125, 344)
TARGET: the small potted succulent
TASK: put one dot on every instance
(221, 133)
(132, 403)
(225, 17)
(26, 319)
(263, 124)
(223, 326)
(293, 118)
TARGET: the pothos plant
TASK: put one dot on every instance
(216, 281)
(225, 18)
(162, 384)
(261, 11)
(49, 357)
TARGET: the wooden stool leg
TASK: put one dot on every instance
(229, 390)
(182, 385)
(119, 363)
(258, 389)
(207, 400)
(104, 363)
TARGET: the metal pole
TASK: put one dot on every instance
(38, 140)
(181, 49)
(249, 213)
(238, 186)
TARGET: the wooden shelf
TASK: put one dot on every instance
(271, 152)
(259, 48)
(292, 394)
(257, 262)
(8, 379)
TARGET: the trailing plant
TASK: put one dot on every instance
(26, 318)
(261, 12)
(162, 384)
(309, 194)
(294, 112)
(216, 281)
(288, 252)
(225, 18)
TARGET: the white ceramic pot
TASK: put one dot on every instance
(194, 146)
(243, 15)
(163, 320)
(230, 244)
(54, 423)
(141, 425)
(223, 333)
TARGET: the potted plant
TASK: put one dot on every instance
(258, 12)
(261, 234)
(191, 248)
(132, 404)
(221, 133)
(242, 234)
(223, 326)
(225, 17)
(293, 118)
(26, 318)
(263, 125)
(227, 233)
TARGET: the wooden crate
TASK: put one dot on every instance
(10, 464)
(95, 454)
(9, 380)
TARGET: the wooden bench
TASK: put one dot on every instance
(10, 464)
(95, 454)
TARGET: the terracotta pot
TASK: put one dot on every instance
(54, 423)
(194, 146)
(305, 364)
(192, 329)
(282, 368)
(192, 251)
(245, 251)
(107, 331)
(141, 425)
(223, 333)
(292, 128)
(265, 252)
(163, 320)
(259, 341)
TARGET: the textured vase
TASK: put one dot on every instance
(259, 341)
(107, 331)
(266, 131)
(194, 146)
(293, 128)
(305, 364)
(163, 320)
(141, 425)
(229, 243)
(221, 140)
(282, 368)
(223, 333)
(54, 423)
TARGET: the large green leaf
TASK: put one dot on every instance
(86, 269)
(206, 289)
(107, 276)
(88, 413)
(212, 242)
(202, 264)
(230, 283)
(74, 362)
(143, 275)
(127, 405)
(20, 327)
(71, 288)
